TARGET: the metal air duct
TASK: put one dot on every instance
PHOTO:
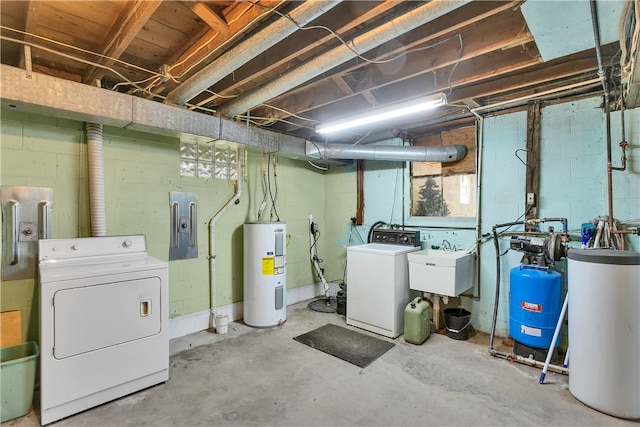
(396, 153)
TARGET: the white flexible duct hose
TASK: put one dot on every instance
(96, 180)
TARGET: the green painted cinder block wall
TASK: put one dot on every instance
(140, 170)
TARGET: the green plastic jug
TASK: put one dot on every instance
(417, 326)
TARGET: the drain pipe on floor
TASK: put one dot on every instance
(235, 199)
(96, 180)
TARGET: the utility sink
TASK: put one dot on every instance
(441, 272)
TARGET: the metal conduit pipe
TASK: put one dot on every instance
(248, 49)
(96, 180)
(396, 153)
(607, 110)
(401, 25)
(479, 146)
(623, 143)
(235, 199)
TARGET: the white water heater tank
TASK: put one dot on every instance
(265, 279)
(604, 330)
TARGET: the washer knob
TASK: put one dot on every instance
(127, 243)
(75, 247)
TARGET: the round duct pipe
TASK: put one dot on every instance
(96, 180)
(395, 153)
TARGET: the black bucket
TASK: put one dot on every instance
(458, 322)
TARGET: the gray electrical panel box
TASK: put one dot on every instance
(184, 232)
(26, 218)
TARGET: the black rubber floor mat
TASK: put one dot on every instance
(345, 344)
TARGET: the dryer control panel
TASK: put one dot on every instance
(397, 237)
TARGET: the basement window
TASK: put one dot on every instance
(208, 160)
(445, 189)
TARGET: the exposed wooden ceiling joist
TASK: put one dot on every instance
(483, 54)
(124, 30)
(215, 21)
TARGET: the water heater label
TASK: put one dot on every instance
(267, 266)
(528, 330)
(531, 306)
(278, 266)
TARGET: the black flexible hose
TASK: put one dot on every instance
(495, 304)
(375, 225)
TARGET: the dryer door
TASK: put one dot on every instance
(90, 318)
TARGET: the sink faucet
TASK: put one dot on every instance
(446, 246)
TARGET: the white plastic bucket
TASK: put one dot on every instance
(222, 323)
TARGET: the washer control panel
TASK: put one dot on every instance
(397, 237)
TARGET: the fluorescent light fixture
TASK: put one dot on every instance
(391, 112)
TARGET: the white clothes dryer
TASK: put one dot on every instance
(103, 322)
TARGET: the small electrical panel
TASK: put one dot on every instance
(184, 232)
(26, 218)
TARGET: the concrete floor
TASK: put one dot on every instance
(264, 377)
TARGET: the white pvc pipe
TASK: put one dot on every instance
(596, 242)
(212, 240)
(96, 180)
(554, 339)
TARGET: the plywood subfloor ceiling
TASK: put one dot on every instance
(289, 66)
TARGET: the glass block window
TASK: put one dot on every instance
(208, 160)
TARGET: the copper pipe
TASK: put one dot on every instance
(623, 143)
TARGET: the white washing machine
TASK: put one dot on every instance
(103, 322)
(378, 282)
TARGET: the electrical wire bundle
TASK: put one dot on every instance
(269, 193)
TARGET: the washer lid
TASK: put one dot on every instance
(605, 256)
(383, 249)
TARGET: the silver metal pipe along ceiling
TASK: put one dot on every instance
(334, 57)
(397, 153)
(248, 49)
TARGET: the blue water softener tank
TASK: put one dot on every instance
(535, 301)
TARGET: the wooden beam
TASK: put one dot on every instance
(215, 21)
(532, 163)
(581, 63)
(122, 33)
(54, 72)
(241, 17)
(479, 67)
(497, 32)
(33, 11)
(293, 49)
(30, 25)
(342, 85)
